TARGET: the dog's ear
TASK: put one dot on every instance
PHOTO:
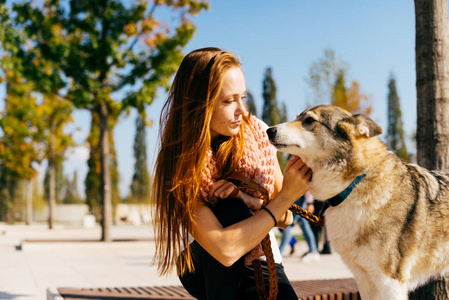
(359, 125)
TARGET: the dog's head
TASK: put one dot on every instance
(324, 135)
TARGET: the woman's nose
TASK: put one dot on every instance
(241, 109)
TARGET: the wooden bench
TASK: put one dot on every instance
(333, 289)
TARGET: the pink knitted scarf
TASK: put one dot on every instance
(257, 164)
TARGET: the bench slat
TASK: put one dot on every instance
(332, 289)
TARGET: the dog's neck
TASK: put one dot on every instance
(333, 176)
(338, 199)
(326, 184)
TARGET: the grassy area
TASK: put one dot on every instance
(299, 237)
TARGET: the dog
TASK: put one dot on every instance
(388, 220)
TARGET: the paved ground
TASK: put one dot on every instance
(28, 269)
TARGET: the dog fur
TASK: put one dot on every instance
(392, 231)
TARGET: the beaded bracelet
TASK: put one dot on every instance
(271, 214)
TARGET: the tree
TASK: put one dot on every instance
(71, 190)
(272, 115)
(26, 61)
(327, 82)
(112, 48)
(93, 178)
(283, 157)
(140, 185)
(250, 104)
(339, 94)
(60, 183)
(56, 113)
(323, 76)
(395, 133)
(352, 99)
(9, 190)
(358, 101)
(432, 90)
(20, 144)
(18, 121)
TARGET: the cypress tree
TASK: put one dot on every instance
(9, 188)
(140, 185)
(283, 113)
(271, 114)
(395, 134)
(339, 94)
(93, 179)
(59, 180)
(71, 194)
(250, 104)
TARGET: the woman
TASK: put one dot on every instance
(205, 134)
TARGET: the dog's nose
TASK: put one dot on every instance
(271, 133)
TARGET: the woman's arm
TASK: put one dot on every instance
(287, 219)
(223, 188)
(228, 244)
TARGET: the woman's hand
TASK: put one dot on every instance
(297, 176)
(253, 203)
(223, 189)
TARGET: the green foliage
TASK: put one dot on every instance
(56, 114)
(59, 180)
(327, 82)
(95, 49)
(71, 190)
(20, 122)
(339, 93)
(350, 98)
(395, 133)
(39, 203)
(250, 104)
(323, 76)
(9, 190)
(140, 185)
(283, 157)
(93, 178)
(283, 113)
(270, 114)
(25, 63)
(108, 47)
(20, 119)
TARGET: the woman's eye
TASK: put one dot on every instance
(308, 121)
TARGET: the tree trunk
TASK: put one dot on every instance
(105, 174)
(432, 85)
(52, 180)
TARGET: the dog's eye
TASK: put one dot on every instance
(308, 121)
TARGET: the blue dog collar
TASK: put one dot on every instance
(336, 200)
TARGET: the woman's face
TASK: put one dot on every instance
(229, 108)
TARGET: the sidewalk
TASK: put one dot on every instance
(26, 274)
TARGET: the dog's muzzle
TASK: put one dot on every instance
(271, 133)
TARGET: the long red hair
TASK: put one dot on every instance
(184, 145)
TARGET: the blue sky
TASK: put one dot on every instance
(375, 38)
